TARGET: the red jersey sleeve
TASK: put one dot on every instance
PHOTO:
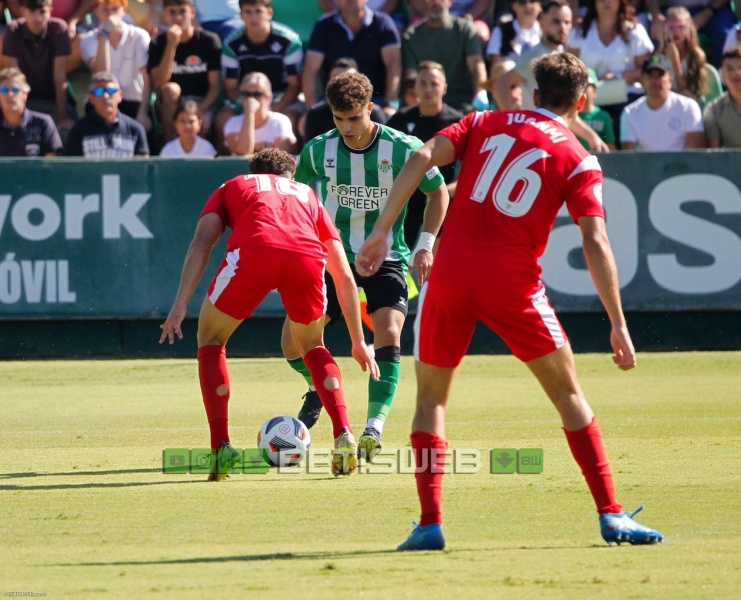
(584, 190)
(216, 204)
(459, 132)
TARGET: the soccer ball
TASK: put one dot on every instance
(284, 441)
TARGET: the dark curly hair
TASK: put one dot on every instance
(273, 161)
(349, 92)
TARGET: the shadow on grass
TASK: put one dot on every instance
(82, 486)
(71, 473)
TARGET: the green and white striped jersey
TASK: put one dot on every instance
(354, 184)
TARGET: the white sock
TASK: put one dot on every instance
(376, 424)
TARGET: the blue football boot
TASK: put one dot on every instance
(620, 527)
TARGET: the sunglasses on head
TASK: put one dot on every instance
(248, 94)
(99, 92)
(5, 90)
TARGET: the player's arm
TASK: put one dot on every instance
(347, 296)
(437, 207)
(207, 234)
(602, 268)
(437, 151)
(584, 131)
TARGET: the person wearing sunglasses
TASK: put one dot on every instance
(105, 132)
(24, 132)
(258, 127)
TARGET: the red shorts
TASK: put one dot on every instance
(246, 275)
(447, 316)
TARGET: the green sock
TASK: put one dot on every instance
(381, 392)
(297, 364)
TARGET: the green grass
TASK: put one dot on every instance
(87, 511)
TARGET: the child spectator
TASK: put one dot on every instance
(599, 120)
(188, 144)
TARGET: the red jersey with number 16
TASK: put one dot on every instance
(518, 169)
(269, 210)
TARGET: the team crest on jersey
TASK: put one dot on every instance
(329, 163)
(385, 166)
(276, 47)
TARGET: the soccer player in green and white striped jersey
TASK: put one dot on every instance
(356, 165)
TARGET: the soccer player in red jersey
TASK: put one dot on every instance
(282, 238)
(518, 169)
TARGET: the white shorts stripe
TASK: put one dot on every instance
(225, 275)
(541, 304)
(420, 303)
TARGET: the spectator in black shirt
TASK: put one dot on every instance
(184, 64)
(424, 121)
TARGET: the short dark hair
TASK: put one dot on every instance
(36, 4)
(349, 91)
(188, 106)
(549, 4)
(177, 3)
(562, 79)
(273, 161)
(265, 3)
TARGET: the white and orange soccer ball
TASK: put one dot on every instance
(284, 441)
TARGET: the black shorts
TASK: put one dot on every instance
(386, 289)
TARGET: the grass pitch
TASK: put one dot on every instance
(88, 513)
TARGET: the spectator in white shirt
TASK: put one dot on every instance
(188, 144)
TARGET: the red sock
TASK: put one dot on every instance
(214, 377)
(321, 365)
(589, 451)
(429, 474)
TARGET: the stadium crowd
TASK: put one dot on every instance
(252, 72)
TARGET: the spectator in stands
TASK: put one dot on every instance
(122, 49)
(596, 118)
(258, 127)
(357, 32)
(615, 47)
(477, 11)
(264, 45)
(722, 117)
(105, 132)
(424, 121)
(451, 41)
(711, 17)
(184, 64)
(39, 45)
(513, 94)
(515, 33)
(393, 8)
(23, 132)
(555, 22)
(219, 16)
(319, 117)
(662, 120)
(188, 144)
(679, 43)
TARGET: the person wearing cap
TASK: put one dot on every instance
(597, 118)
(39, 45)
(662, 120)
(23, 132)
(105, 132)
